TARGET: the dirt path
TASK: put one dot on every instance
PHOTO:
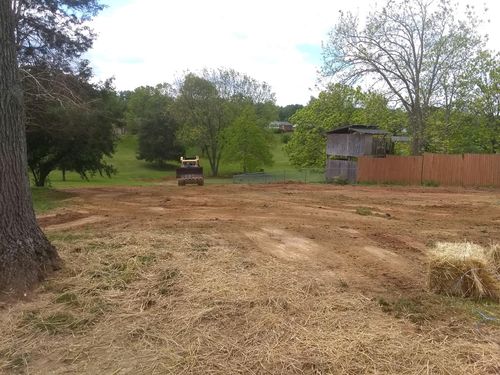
(261, 279)
(316, 226)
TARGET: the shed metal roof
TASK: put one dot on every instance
(361, 129)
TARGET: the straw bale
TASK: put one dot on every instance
(464, 269)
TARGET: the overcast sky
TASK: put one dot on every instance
(145, 42)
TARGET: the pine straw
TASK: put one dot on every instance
(465, 270)
(182, 302)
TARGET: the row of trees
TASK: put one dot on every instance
(430, 78)
(72, 125)
(469, 124)
(337, 106)
(222, 113)
(428, 62)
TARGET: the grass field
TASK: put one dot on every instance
(133, 172)
(46, 199)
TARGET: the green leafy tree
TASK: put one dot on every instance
(486, 100)
(149, 114)
(413, 49)
(204, 116)
(146, 102)
(75, 137)
(157, 140)
(248, 141)
(208, 104)
(286, 112)
(471, 122)
(337, 106)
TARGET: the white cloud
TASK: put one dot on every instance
(151, 41)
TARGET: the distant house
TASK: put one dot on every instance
(281, 126)
(345, 144)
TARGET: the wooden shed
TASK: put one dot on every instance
(345, 144)
(358, 140)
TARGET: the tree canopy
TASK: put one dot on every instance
(76, 136)
(149, 114)
(337, 106)
(286, 112)
(248, 140)
(413, 50)
(208, 104)
(54, 33)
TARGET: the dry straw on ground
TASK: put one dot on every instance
(465, 269)
(176, 302)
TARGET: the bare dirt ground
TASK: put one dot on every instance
(262, 279)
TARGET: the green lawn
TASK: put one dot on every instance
(130, 170)
(46, 199)
(281, 168)
(133, 172)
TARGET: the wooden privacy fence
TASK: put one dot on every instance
(461, 170)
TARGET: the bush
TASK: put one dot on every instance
(363, 211)
(430, 183)
(285, 138)
(338, 180)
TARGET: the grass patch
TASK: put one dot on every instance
(339, 180)
(67, 298)
(55, 323)
(17, 363)
(426, 308)
(168, 281)
(116, 275)
(131, 171)
(364, 211)
(46, 199)
(430, 183)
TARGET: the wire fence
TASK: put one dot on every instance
(288, 175)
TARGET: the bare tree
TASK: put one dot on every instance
(413, 49)
(25, 253)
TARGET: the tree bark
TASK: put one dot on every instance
(26, 256)
(417, 127)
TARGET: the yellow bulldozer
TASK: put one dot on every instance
(189, 172)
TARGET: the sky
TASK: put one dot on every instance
(145, 42)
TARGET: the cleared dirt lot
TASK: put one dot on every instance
(255, 279)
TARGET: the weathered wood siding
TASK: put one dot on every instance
(341, 168)
(349, 144)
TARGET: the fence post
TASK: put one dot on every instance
(463, 171)
(422, 170)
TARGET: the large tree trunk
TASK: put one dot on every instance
(26, 255)
(417, 127)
